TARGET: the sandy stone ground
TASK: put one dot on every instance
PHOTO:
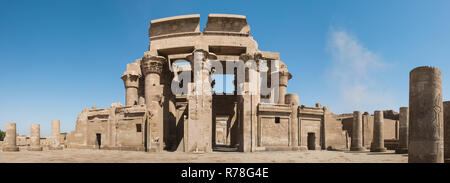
(109, 156)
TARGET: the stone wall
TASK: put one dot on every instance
(335, 135)
(274, 127)
(112, 128)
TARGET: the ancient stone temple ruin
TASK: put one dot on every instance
(155, 118)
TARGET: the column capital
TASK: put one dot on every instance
(130, 80)
(246, 57)
(131, 76)
(152, 64)
(207, 55)
(285, 76)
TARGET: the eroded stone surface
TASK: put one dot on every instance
(10, 143)
(403, 132)
(426, 132)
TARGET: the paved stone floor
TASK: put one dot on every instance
(107, 156)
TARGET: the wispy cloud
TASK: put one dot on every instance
(353, 75)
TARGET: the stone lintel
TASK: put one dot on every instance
(174, 25)
(268, 108)
(265, 55)
(223, 23)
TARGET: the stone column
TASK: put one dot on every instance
(56, 140)
(293, 100)
(141, 88)
(131, 81)
(10, 138)
(447, 131)
(152, 67)
(199, 126)
(35, 138)
(357, 143)
(285, 76)
(403, 132)
(141, 91)
(378, 134)
(426, 141)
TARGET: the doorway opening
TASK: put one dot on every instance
(99, 140)
(311, 141)
(226, 132)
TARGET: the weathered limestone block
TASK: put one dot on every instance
(447, 131)
(403, 132)
(152, 67)
(426, 141)
(35, 138)
(227, 23)
(378, 137)
(183, 24)
(10, 144)
(357, 143)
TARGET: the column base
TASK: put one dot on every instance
(10, 149)
(302, 148)
(34, 148)
(155, 147)
(447, 160)
(357, 149)
(379, 149)
(401, 151)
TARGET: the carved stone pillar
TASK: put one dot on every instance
(10, 138)
(426, 128)
(35, 138)
(141, 91)
(152, 67)
(357, 137)
(131, 81)
(247, 103)
(378, 133)
(447, 132)
(403, 132)
(293, 100)
(285, 76)
(199, 125)
(55, 134)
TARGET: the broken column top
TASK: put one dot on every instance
(133, 69)
(190, 24)
(227, 23)
(174, 25)
(426, 68)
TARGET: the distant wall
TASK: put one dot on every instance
(390, 129)
(335, 135)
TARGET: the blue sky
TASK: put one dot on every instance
(58, 57)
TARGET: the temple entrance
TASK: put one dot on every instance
(99, 140)
(311, 141)
(225, 133)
